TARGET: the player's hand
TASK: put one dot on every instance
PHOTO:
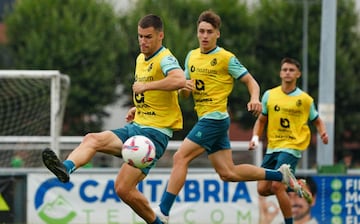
(189, 86)
(254, 142)
(324, 138)
(255, 107)
(139, 87)
(130, 114)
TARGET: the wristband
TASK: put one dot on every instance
(255, 139)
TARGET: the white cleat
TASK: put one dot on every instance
(163, 218)
(290, 180)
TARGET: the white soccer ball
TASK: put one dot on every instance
(138, 151)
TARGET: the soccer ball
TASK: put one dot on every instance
(138, 151)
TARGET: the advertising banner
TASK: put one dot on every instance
(204, 199)
(92, 199)
(338, 199)
(6, 200)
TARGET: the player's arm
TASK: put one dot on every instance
(254, 105)
(318, 122)
(320, 126)
(174, 80)
(258, 129)
(130, 114)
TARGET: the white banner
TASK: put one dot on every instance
(91, 198)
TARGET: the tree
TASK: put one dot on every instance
(78, 37)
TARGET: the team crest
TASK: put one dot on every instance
(298, 103)
(213, 62)
(150, 67)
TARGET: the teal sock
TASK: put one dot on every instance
(288, 220)
(167, 202)
(70, 166)
(273, 175)
(157, 221)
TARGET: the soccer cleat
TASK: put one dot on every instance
(290, 180)
(306, 194)
(163, 218)
(53, 163)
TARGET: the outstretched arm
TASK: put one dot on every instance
(320, 126)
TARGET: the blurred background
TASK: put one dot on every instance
(94, 42)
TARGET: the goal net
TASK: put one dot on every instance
(32, 105)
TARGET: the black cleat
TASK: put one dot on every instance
(53, 163)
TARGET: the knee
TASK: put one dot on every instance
(226, 176)
(90, 137)
(123, 192)
(179, 159)
(261, 191)
(264, 189)
(92, 140)
(278, 187)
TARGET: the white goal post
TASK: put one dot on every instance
(32, 105)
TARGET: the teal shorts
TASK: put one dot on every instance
(211, 134)
(159, 139)
(276, 159)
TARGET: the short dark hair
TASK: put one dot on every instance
(211, 17)
(151, 20)
(291, 61)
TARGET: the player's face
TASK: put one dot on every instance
(150, 40)
(207, 36)
(299, 207)
(289, 73)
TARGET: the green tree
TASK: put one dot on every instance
(78, 37)
(347, 116)
(261, 35)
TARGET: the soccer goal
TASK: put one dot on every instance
(32, 105)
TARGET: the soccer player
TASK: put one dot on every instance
(210, 71)
(286, 110)
(156, 115)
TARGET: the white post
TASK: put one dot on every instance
(55, 112)
(325, 153)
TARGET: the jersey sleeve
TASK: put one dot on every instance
(186, 71)
(169, 63)
(314, 114)
(236, 69)
(264, 101)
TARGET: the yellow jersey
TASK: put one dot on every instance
(288, 116)
(157, 108)
(213, 74)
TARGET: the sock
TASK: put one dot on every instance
(157, 221)
(288, 220)
(166, 203)
(70, 166)
(273, 175)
